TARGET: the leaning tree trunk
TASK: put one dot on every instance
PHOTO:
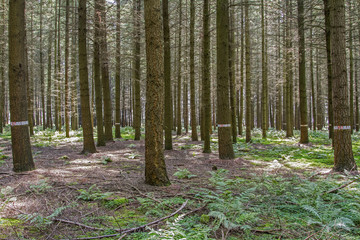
(89, 144)
(343, 154)
(20, 139)
(155, 168)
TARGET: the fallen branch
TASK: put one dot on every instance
(342, 186)
(78, 224)
(136, 229)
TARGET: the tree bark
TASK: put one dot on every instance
(248, 117)
(117, 75)
(137, 71)
(343, 154)
(20, 139)
(223, 106)
(89, 144)
(155, 168)
(194, 135)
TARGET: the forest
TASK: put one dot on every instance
(179, 119)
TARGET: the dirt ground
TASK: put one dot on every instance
(67, 171)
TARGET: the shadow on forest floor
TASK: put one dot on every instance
(273, 189)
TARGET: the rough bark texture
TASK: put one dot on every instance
(67, 107)
(20, 139)
(329, 66)
(248, 116)
(155, 168)
(117, 75)
(194, 135)
(105, 79)
(304, 138)
(168, 113)
(206, 104)
(343, 154)
(179, 73)
(97, 79)
(232, 85)
(223, 106)
(264, 96)
(89, 144)
(2, 70)
(136, 70)
(289, 73)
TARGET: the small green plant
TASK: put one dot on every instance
(64, 157)
(183, 174)
(106, 160)
(115, 203)
(3, 157)
(41, 187)
(93, 194)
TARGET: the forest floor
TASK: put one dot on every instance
(273, 189)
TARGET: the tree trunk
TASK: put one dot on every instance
(289, 73)
(136, 70)
(223, 106)
(194, 135)
(97, 79)
(265, 94)
(105, 73)
(155, 168)
(248, 116)
(20, 139)
(304, 138)
(343, 154)
(67, 109)
(117, 74)
(89, 145)
(206, 104)
(168, 113)
(178, 107)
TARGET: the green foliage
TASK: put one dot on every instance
(183, 173)
(41, 187)
(106, 160)
(41, 221)
(93, 194)
(115, 203)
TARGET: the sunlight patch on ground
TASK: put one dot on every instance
(54, 171)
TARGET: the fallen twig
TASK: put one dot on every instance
(342, 186)
(78, 224)
(136, 229)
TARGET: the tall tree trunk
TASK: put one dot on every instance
(289, 73)
(136, 70)
(223, 106)
(351, 68)
(248, 116)
(206, 103)
(67, 110)
(265, 94)
(2, 66)
(329, 66)
(194, 135)
(30, 82)
(155, 168)
(20, 139)
(304, 138)
(168, 113)
(42, 83)
(343, 154)
(242, 81)
(49, 83)
(178, 107)
(105, 80)
(89, 145)
(74, 94)
(117, 74)
(58, 74)
(97, 77)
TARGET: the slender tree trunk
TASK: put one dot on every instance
(178, 107)
(265, 95)
(67, 110)
(343, 154)
(248, 74)
(206, 104)
(289, 73)
(117, 77)
(58, 74)
(168, 113)
(73, 84)
(89, 145)
(329, 66)
(194, 135)
(242, 82)
(351, 68)
(30, 82)
(155, 168)
(320, 104)
(232, 73)
(223, 107)
(2, 66)
(49, 83)
(105, 73)
(42, 81)
(97, 78)
(136, 70)
(304, 138)
(20, 139)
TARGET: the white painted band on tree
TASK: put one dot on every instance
(224, 125)
(117, 124)
(23, 123)
(342, 127)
